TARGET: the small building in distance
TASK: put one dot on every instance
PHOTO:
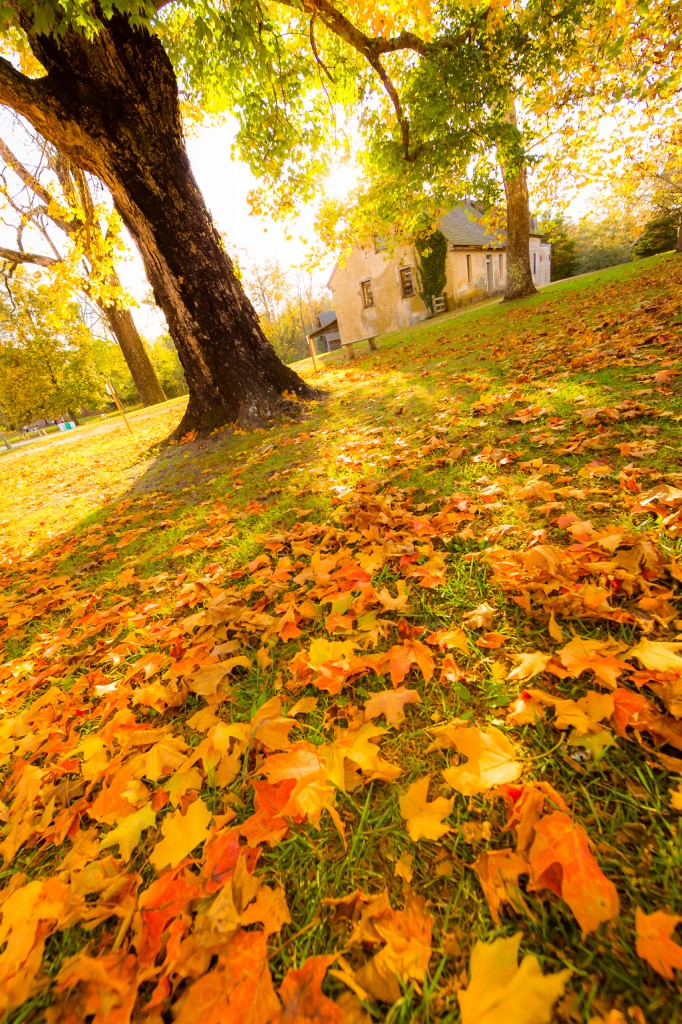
(325, 332)
(375, 292)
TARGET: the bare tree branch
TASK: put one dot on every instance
(18, 256)
(32, 182)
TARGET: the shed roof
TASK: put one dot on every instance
(330, 327)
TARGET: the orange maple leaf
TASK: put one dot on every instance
(655, 943)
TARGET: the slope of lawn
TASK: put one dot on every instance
(292, 722)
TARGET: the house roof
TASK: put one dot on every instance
(462, 227)
(330, 327)
(326, 318)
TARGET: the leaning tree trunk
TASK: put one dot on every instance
(110, 103)
(519, 282)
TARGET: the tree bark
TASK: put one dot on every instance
(678, 244)
(110, 103)
(519, 284)
(124, 330)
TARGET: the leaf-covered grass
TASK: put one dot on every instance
(539, 426)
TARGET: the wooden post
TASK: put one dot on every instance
(311, 346)
(110, 390)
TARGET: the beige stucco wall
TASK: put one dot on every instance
(459, 289)
(390, 311)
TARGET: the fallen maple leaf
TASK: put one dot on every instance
(406, 954)
(355, 745)
(654, 941)
(498, 872)
(403, 656)
(529, 665)
(301, 993)
(502, 991)
(561, 860)
(181, 832)
(128, 831)
(492, 760)
(482, 617)
(424, 819)
(390, 703)
(657, 655)
(239, 988)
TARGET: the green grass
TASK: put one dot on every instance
(381, 445)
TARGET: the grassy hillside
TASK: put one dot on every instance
(257, 644)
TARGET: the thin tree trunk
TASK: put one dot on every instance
(124, 330)
(110, 103)
(678, 244)
(120, 321)
(122, 326)
(519, 282)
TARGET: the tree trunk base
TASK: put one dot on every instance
(523, 292)
(261, 409)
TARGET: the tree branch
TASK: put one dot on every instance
(24, 174)
(17, 256)
(370, 48)
(27, 96)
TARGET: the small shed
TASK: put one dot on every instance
(326, 332)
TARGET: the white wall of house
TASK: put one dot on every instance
(540, 260)
(474, 274)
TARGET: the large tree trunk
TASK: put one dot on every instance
(678, 244)
(519, 274)
(110, 103)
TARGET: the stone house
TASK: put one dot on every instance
(375, 292)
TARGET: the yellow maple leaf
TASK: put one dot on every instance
(657, 655)
(491, 760)
(529, 665)
(181, 833)
(424, 819)
(502, 991)
(128, 831)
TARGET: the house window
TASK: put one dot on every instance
(535, 263)
(499, 258)
(367, 297)
(469, 276)
(380, 243)
(406, 282)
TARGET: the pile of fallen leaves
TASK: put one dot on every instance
(328, 739)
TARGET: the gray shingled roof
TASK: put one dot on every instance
(461, 227)
(329, 326)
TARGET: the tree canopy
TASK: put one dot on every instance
(47, 368)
